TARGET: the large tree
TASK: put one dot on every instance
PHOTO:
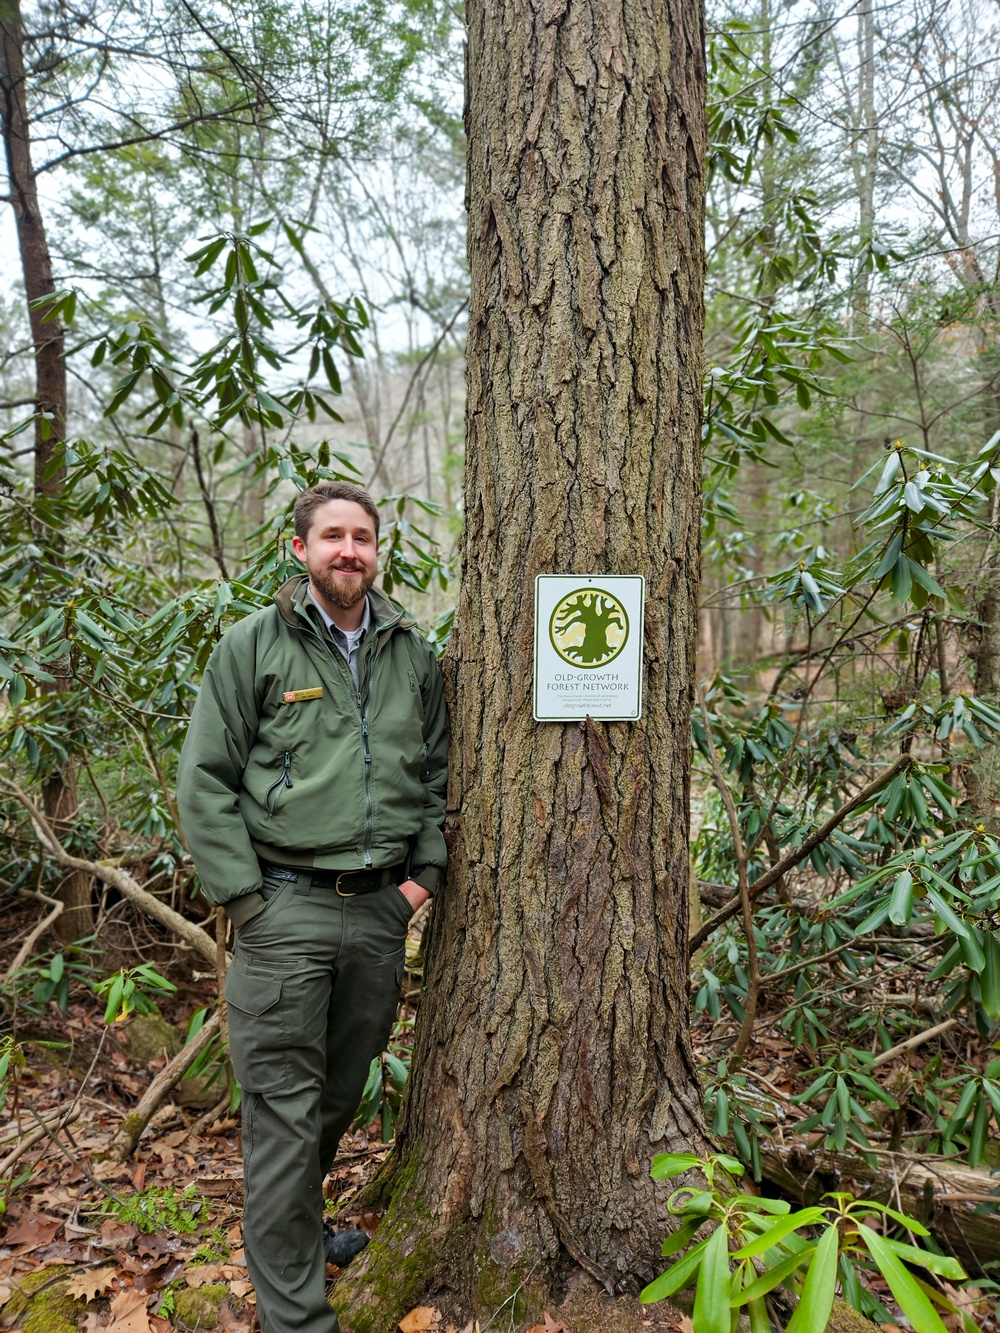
(551, 1056)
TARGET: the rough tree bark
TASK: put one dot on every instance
(551, 1057)
(48, 339)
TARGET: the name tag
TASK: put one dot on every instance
(297, 696)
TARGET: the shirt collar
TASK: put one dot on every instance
(334, 628)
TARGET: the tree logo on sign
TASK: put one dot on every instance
(589, 628)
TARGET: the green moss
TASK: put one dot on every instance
(398, 1265)
(845, 1319)
(149, 1036)
(198, 1307)
(41, 1304)
(392, 1283)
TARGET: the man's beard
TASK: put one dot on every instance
(340, 591)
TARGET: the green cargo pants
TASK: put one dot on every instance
(312, 994)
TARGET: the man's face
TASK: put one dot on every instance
(340, 552)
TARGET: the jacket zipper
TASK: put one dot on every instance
(284, 781)
(367, 849)
(361, 707)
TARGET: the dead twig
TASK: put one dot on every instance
(25, 951)
(799, 853)
(912, 1043)
(197, 939)
(130, 1131)
(44, 1129)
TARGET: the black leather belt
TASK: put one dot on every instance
(346, 883)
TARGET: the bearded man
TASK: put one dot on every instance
(312, 793)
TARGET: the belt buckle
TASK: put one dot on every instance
(339, 890)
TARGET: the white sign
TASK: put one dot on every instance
(588, 646)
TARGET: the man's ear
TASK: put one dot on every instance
(299, 547)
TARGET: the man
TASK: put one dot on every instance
(312, 791)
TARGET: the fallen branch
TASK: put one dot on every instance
(196, 938)
(46, 1129)
(130, 1131)
(939, 1192)
(912, 1043)
(799, 853)
(24, 953)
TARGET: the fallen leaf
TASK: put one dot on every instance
(550, 1326)
(239, 1287)
(5, 1295)
(32, 1229)
(128, 1312)
(94, 1283)
(420, 1320)
(160, 1247)
(114, 1232)
(202, 1275)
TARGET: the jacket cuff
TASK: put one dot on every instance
(242, 910)
(427, 877)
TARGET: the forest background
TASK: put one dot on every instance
(253, 271)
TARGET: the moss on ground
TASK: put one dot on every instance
(149, 1036)
(41, 1304)
(198, 1307)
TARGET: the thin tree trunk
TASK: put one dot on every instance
(59, 787)
(551, 1058)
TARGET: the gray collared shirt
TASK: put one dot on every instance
(348, 641)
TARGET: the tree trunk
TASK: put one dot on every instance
(551, 1057)
(59, 786)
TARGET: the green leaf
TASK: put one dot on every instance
(901, 583)
(676, 1278)
(944, 1264)
(813, 1310)
(889, 558)
(901, 903)
(888, 472)
(977, 1135)
(114, 1004)
(711, 1301)
(668, 1164)
(676, 1241)
(947, 916)
(989, 980)
(911, 1300)
(778, 1230)
(925, 580)
(772, 1277)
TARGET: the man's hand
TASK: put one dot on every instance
(415, 894)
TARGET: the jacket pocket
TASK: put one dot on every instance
(274, 793)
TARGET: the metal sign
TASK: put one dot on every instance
(588, 646)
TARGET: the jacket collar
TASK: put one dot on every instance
(293, 604)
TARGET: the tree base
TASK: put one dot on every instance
(368, 1301)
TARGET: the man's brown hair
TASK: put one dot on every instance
(309, 501)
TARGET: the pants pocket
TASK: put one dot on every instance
(257, 1028)
(403, 904)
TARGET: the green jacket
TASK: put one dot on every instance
(285, 760)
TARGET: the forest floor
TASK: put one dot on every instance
(153, 1244)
